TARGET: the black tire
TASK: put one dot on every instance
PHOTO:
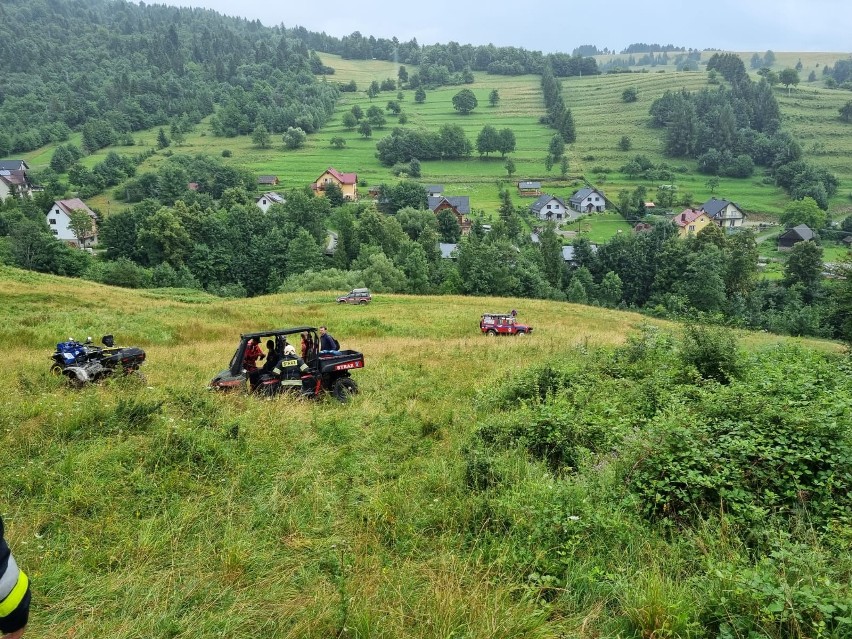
(362, 302)
(56, 370)
(344, 388)
(74, 381)
(491, 332)
(521, 333)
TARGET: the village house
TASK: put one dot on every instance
(265, 201)
(14, 181)
(690, 221)
(434, 190)
(791, 237)
(529, 189)
(458, 204)
(348, 183)
(552, 208)
(724, 213)
(59, 218)
(588, 200)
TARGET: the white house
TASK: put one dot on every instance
(59, 217)
(588, 200)
(14, 181)
(265, 201)
(552, 208)
(724, 213)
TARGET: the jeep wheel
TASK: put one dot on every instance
(521, 333)
(491, 332)
(343, 389)
(362, 302)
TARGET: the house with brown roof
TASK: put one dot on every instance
(348, 183)
(59, 218)
(268, 180)
(458, 204)
(690, 221)
(14, 181)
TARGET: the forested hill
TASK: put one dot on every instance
(119, 67)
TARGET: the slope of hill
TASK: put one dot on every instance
(166, 510)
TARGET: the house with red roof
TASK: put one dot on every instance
(690, 221)
(348, 183)
(59, 220)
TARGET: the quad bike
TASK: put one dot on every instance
(325, 372)
(83, 363)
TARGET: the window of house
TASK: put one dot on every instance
(692, 227)
(732, 223)
(548, 206)
(55, 232)
(52, 221)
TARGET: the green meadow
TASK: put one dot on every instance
(161, 509)
(601, 117)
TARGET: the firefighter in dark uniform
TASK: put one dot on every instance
(291, 370)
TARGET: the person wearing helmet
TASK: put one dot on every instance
(292, 368)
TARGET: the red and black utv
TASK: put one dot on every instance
(323, 371)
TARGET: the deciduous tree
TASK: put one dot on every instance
(465, 101)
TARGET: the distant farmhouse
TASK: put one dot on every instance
(348, 183)
(690, 221)
(588, 200)
(458, 204)
(265, 201)
(14, 181)
(552, 208)
(59, 218)
(791, 237)
(724, 213)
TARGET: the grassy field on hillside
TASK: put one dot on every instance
(164, 510)
(601, 117)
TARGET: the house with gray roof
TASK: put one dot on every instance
(791, 237)
(723, 213)
(14, 165)
(434, 190)
(529, 189)
(552, 208)
(265, 201)
(458, 204)
(588, 200)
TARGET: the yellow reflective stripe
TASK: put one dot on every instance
(8, 605)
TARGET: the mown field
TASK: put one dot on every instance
(601, 117)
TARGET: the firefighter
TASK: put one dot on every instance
(293, 371)
(14, 593)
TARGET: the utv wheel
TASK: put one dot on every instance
(56, 370)
(491, 332)
(343, 389)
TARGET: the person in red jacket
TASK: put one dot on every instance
(14, 593)
(252, 354)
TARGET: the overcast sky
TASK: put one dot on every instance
(734, 25)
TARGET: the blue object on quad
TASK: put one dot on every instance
(85, 362)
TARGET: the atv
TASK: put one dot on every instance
(324, 371)
(82, 363)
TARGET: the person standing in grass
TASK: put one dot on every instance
(14, 593)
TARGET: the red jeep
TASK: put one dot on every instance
(502, 324)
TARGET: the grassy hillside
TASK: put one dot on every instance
(165, 510)
(809, 112)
